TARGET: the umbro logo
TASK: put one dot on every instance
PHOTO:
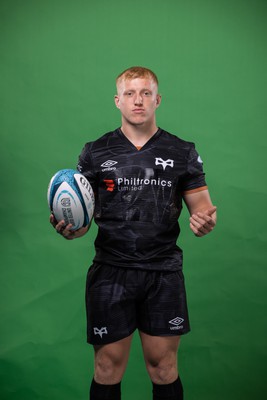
(177, 323)
(167, 163)
(101, 331)
(109, 163)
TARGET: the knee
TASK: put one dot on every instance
(111, 360)
(162, 372)
(108, 370)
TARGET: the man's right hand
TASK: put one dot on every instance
(65, 230)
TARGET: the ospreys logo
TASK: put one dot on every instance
(167, 163)
(100, 331)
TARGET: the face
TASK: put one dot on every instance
(137, 99)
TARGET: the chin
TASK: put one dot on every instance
(138, 123)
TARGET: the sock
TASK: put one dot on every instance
(171, 391)
(105, 392)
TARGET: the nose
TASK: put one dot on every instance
(138, 99)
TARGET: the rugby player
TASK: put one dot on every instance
(141, 175)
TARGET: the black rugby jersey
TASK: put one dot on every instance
(139, 197)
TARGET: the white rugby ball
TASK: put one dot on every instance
(71, 197)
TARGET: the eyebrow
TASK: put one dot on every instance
(133, 90)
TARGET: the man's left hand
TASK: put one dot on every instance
(202, 223)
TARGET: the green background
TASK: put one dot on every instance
(59, 61)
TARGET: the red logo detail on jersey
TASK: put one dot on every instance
(110, 184)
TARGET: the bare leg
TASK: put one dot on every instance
(160, 355)
(111, 361)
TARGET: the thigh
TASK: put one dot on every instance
(161, 357)
(111, 361)
(157, 348)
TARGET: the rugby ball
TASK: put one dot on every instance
(71, 197)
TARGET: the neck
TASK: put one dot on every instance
(139, 134)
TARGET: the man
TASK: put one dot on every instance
(140, 175)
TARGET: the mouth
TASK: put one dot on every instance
(138, 110)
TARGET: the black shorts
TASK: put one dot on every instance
(121, 300)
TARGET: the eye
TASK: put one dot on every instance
(147, 93)
(129, 94)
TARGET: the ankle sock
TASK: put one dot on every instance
(105, 392)
(171, 391)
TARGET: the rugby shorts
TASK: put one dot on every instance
(121, 300)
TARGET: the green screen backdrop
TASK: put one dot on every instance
(59, 61)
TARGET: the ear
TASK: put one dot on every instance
(158, 100)
(117, 101)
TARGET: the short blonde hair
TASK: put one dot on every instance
(137, 72)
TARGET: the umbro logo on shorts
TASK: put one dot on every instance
(101, 331)
(176, 322)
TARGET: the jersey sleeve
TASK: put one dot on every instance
(86, 167)
(194, 178)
